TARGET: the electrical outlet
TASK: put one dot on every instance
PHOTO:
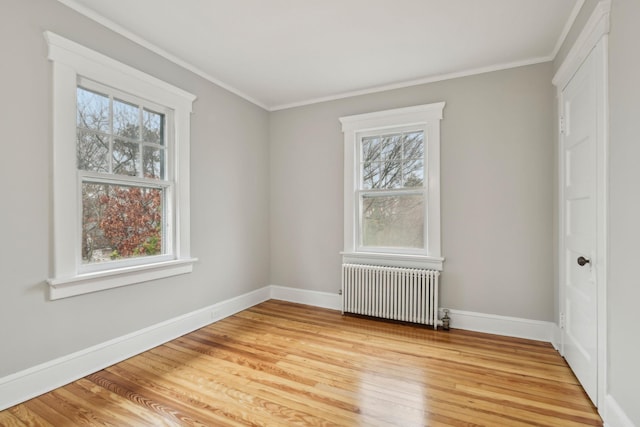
(562, 320)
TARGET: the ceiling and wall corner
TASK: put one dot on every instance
(279, 54)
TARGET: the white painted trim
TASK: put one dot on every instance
(157, 50)
(406, 116)
(594, 29)
(613, 415)
(410, 83)
(567, 27)
(397, 260)
(88, 61)
(98, 281)
(308, 297)
(556, 337)
(602, 206)
(502, 325)
(480, 322)
(34, 381)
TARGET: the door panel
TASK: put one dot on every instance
(579, 146)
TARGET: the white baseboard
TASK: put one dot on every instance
(556, 338)
(34, 381)
(502, 325)
(479, 322)
(613, 415)
(302, 296)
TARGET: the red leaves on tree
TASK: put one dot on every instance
(132, 220)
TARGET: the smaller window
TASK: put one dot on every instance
(392, 187)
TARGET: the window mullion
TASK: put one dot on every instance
(140, 139)
(110, 154)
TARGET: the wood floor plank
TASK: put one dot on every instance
(28, 417)
(281, 364)
(9, 420)
(40, 407)
(132, 412)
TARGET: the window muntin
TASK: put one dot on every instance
(121, 157)
(391, 193)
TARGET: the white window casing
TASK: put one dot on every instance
(71, 63)
(422, 117)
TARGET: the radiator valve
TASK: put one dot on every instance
(445, 320)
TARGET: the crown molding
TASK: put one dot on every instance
(91, 14)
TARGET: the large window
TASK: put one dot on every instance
(392, 198)
(121, 184)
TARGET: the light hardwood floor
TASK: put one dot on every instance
(280, 364)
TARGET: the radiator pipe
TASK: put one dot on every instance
(445, 320)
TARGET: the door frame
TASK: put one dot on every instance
(593, 40)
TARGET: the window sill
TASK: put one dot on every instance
(393, 260)
(93, 282)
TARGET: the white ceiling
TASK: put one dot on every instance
(280, 53)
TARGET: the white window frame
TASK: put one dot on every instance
(424, 117)
(72, 62)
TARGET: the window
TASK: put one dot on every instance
(121, 146)
(392, 187)
(120, 173)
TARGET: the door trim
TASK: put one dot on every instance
(596, 26)
(592, 40)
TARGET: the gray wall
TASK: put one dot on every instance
(229, 194)
(497, 177)
(623, 293)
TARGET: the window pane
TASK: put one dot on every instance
(370, 149)
(393, 221)
(153, 127)
(371, 175)
(92, 110)
(413, 173)
(126, 159)
(153, 161)
(414, 145)
(126, 120)
(120, 222)
(92, 150)
(390, 175)
(391, 147)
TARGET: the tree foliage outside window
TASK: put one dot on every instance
(116, 139)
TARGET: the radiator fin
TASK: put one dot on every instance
(405, 294)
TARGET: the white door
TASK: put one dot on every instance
(580, 206)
